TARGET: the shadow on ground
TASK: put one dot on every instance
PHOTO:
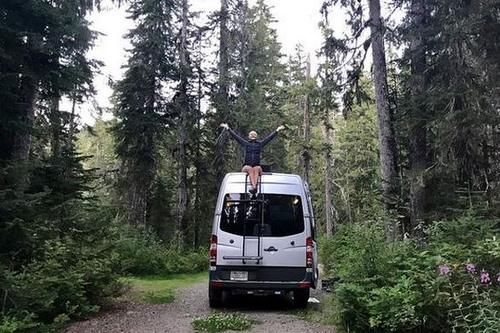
(255, 303)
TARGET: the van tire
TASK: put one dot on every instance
(214, 297)
(300, 297)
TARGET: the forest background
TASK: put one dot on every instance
(401, 153)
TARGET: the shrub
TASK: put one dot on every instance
(142, 253)
(21, 322)
(178, 261)
(139, 252)
(65, 280)
(451, 284)
(69, 272)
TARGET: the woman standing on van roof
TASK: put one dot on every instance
(253, 148)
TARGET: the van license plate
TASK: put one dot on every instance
(239, 276)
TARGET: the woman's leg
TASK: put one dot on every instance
(258, 171)
(254, 175)
(249, 170)
(251, 175)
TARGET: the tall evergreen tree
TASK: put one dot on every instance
(417, 152)
(185, 103)
(48, 225)
(446, 105)
(221, 96)
(299, 99)
(261, 73)
(328, 93)
(142, 110)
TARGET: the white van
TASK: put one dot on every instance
(263, 244)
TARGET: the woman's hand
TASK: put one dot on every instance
(280, 128)
(226, 126)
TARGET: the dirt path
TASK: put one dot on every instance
(271, 314)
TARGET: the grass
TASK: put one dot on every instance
(220, 322)
(159, 289)
(323, 313)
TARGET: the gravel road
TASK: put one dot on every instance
(271, 315)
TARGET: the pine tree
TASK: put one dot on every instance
(260, 75)
(221, 96)
(327, 105)
(299, 92)
(143, 112)
(48, 225)
(417, 152)
(447, 106)
(185, 103)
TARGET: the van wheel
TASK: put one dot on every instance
(300, 298)
(214, 297)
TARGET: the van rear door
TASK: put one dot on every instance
(271, 228)
(284, 237)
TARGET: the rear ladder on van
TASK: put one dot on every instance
(248, 205)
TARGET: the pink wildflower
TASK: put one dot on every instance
(485, 277)
(444, 270)
(470, 268)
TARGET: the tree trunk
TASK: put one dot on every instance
(55, 125)
(72, 122)
(137, 202)
(27, 102)
(183, 104)
(418, 128)
(387, 141)
(327, 130)
(22, 138)
(222, 100)
(244, 47)
(198, 175)
(306, 155)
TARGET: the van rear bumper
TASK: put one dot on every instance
(260, 285)
(262, 277)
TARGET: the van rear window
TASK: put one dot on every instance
(279, 215)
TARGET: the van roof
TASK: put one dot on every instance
(267, 178)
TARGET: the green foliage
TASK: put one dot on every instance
(97, 144)
(63, 281)
(220, 322)
(67, 276)
(355, 252)
(142, 113)
(19, 323)
(357, 164)
(142, 253)
(400, 287)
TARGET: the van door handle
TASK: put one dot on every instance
(271, 249)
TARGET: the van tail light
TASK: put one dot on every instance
(213, 250)
(309, 252)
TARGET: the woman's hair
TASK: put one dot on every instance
(252, 132)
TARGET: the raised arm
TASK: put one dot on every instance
(235, 135)
(271, 136)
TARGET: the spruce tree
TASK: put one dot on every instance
(141, 108)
